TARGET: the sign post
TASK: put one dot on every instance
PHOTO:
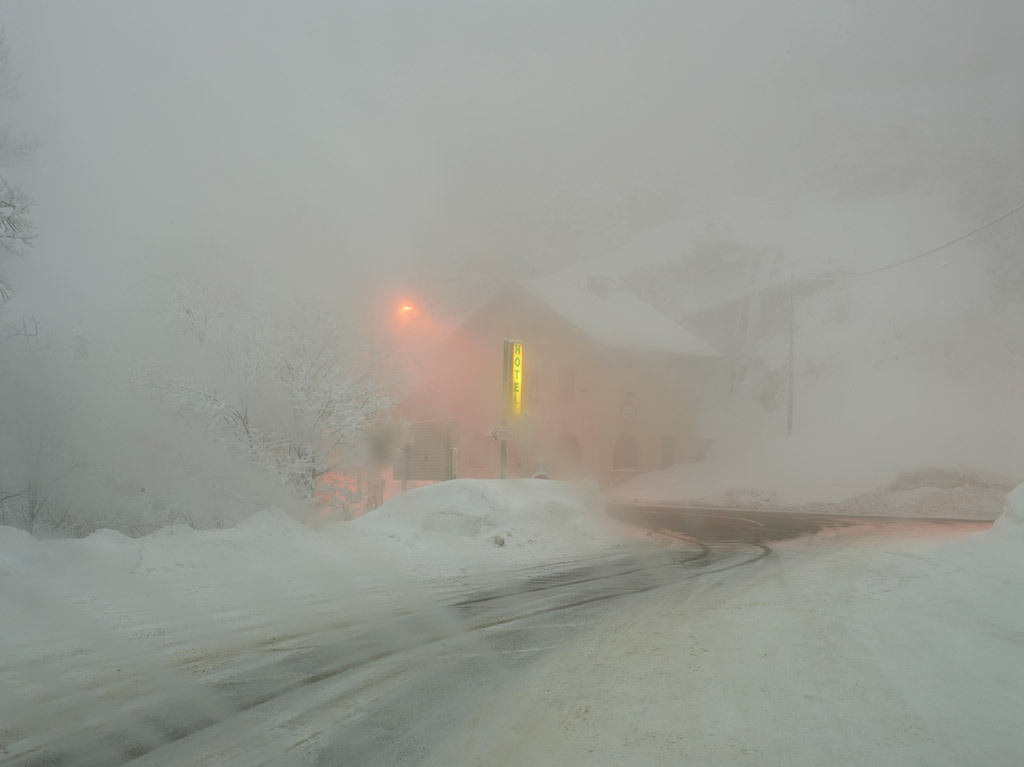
(504, 408)
(453, 463)
(499, 433)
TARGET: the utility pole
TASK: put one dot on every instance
(504, 405)
(792, 334)
(405, 467)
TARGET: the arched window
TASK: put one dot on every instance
(625, 453)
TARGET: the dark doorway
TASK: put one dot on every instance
(625, 454)
(668, 451)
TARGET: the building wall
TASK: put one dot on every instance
(660, 388)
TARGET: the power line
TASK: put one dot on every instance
(943, 246)
(792, 295)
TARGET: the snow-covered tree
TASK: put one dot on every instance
(300, 405)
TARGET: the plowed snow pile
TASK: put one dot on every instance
(188, 592)
(933, 493)
(523, 518)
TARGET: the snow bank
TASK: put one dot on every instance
(271, 559)
(267, 539)
(936, 493)
(181, 589)
(104, 550)
(467, 515)
(1013, 511)
(180, 586)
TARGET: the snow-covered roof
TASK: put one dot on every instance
(620, 321)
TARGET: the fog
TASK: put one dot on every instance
(765, 256)
(307, 163)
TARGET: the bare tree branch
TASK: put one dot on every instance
(28, 331)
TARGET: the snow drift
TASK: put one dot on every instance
(957, 492)
(1012, 518)
(187, 591)
(474, 514)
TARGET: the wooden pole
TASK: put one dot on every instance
(405, 468)
(504, 405)
(792, 335)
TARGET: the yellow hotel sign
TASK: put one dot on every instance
(515, 371)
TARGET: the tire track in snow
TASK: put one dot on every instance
(174, 721)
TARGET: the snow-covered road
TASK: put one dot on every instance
(384, 692)
(720, 640)
(869, 645)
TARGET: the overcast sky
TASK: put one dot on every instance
(258, 143)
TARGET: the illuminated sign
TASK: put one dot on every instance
(511, 395)
(515, 378)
